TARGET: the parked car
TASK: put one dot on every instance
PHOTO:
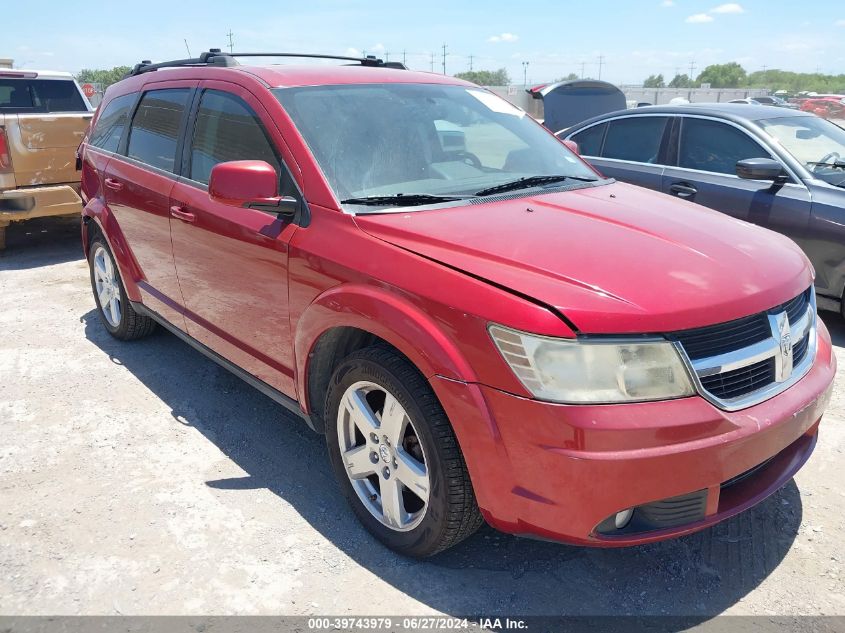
(794, 184)
(826, 107)
(43, 117)
(772, 101)
(481, 325)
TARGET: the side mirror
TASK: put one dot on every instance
(760, 169)
(249, 183)
(573, 146)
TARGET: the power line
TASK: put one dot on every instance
(188, 47)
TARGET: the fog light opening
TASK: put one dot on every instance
(623, 518)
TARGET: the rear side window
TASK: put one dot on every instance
(589, 141)
(635, 138)
(111, 123)
(155, 127)
(23, 96)
(714, 146)
(227, 129)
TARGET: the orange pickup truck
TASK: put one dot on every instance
(43, 118)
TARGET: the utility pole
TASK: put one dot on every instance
(524, 74)
(432, 62)
(188, 47)
(582, 69)
(444, 59)
(471, 57)
(601, 63)
(387, 56)
(692, 70)
(231, 44)
(404, 58)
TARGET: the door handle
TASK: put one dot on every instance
(683, 190)
(179, 213)
(113, 184)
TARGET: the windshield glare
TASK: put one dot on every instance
(385, 139)
(812, 140)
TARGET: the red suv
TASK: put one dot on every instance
(481, 324)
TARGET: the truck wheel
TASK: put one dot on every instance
(115, 311)
(395, 455)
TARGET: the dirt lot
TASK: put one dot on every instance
(142, 479)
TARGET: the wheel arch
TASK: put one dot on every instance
(350, 317)
(97, 219)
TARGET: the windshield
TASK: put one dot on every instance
(425, 141)
(816, 142)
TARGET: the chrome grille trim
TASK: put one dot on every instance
(803, 330)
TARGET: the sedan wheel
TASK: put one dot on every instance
(107, 286)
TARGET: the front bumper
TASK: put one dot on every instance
(36, 202)
(559, 471)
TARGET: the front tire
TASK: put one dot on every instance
(395, 455)
(113, 307)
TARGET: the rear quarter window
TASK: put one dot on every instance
(23, 96)
(111, 123)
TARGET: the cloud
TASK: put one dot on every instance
(731, 7)
(840, 23)
(504, 37)
(667, 3)
(699, 18)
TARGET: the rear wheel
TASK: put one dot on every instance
(396, 456)
(116, 313)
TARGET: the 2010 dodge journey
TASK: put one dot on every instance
(483, 326)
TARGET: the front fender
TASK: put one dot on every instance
(386, 315)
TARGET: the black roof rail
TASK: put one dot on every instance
(214, 57)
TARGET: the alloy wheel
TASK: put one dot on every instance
(383, 456)
(107, 286)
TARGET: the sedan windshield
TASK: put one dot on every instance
(817, 143)
(430, 143)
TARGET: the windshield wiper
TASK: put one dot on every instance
(837, 164)
(403, 199)
(529, 181)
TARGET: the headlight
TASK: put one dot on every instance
(593, 371)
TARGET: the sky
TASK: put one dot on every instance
(632, 39)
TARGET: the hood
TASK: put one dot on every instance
(612, 259)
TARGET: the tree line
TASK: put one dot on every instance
(732, 75)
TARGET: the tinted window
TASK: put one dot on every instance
(635, 138)
(589, 141)
(227, 129)
(713, 146)
(111, 123)
(155, 127)
(40, 95)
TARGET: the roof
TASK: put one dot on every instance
(284, 75)
(737, 112)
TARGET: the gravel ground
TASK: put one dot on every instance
(141, 478)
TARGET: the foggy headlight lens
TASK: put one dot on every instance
(583, 371)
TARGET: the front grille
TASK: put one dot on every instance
(795, 308)
(725, 337)
(799, 350)
(739, 382)
(738, 359)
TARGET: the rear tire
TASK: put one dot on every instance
(113, 307)
(387, 432)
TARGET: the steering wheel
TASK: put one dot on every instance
(826, 158)
(469, 158)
